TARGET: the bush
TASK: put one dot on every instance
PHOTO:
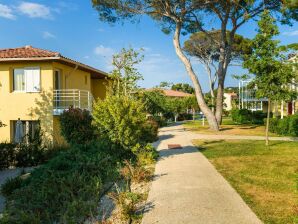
(122, 120)
(245, 116)
(185, 117)
(283, 126)
(287, 126)
(161, 121)
(7, 155)
(10, 186)
(76, 126)
(65, 190)
(150, 131)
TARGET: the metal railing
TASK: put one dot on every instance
(66, 98)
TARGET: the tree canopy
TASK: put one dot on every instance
(183, 87)
(182, 17)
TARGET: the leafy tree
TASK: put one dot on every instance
(176, 106)
(188, 16)
(124, 73)
(76, 126)
(267, 61)
(207, 51)
(154, 102)
(164, 85)
(183, 87)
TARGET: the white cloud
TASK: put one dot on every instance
(6, 12)
(104, 51)
(291, 33)
(48, 35)
(35, 10)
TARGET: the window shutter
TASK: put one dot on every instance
(32, 76)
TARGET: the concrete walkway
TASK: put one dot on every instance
(188, 190)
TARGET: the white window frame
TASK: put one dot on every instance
(25, 80)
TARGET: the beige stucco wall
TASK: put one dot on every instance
(98, 88)
(14, 105)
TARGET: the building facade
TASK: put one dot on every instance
(37, 85)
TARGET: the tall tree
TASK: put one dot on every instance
(125, 73)
(273, 74)
(207, 51)
(188, 16)
(184, 87)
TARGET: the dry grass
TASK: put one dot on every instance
(266, 178)
(228, 128)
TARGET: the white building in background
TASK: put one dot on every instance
(229, 98)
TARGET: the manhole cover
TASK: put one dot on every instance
(174, 146)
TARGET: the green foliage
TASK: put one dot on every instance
(65, 190)
(76, 126)
(122, 120)
(245, 116)
(146, 155)
(127, 202)
(154, 101)
(267, 62)
(206, 46)
(7, 155)
(10, 186)
(287, 126)
(125, 74)
(183, 87)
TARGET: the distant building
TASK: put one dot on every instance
(229, 98)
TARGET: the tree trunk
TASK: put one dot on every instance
(220, 99)
(198, 90)
(268, 122)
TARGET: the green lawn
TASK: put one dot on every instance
(266, 178)
(228, 127)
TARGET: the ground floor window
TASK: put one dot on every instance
(24, 131)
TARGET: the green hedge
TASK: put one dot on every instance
(65, 190)
(245, 116)
(286, 126)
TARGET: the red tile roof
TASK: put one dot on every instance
(174, 93)
(27, 52)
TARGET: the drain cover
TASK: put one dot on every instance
(174, 146)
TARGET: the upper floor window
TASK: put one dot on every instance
(26, 79)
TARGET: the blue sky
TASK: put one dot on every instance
(73, 29)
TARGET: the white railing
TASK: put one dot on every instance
(66, 98)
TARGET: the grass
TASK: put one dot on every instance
(228, 127)
(266, 178)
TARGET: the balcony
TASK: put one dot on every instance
(66, 98)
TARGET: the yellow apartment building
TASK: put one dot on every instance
(37, 85)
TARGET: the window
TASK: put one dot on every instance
(26, 80)
(28, 131)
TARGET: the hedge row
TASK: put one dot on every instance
(286, 126)
(25, 155)
(245, 116)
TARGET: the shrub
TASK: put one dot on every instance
(245, 116)
(273, 125)
(150, 131)
(10, 186)
(283, 126)
(122, 120)
(185, 117)
(293, 125)
(161, 121)
(7, 155)
(145, 155)
(65, 190)
(242, 116)
(76, 126)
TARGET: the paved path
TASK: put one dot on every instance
(188, 190)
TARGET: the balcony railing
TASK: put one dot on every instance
(66, 98)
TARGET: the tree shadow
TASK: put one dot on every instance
(43, 111)
(166, 153)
